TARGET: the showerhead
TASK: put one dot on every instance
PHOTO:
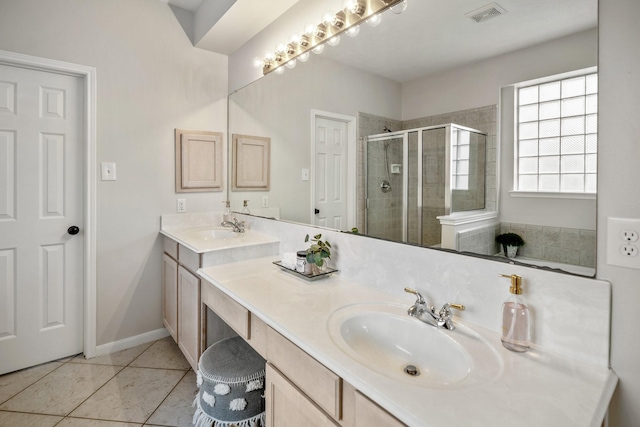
(386, 129)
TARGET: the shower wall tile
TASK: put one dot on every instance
(482, 118)
(564, 245)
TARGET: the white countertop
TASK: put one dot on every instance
(191, 238)
(534, 388)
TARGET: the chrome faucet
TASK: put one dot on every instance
(238, 226)
(427, 314)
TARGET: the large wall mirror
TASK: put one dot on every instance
(406, 132)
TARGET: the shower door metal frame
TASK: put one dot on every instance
(405, 176)
(404, 134)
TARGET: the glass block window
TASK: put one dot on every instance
(557, 135)
(460, 144)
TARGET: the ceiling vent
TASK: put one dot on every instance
(487, 12)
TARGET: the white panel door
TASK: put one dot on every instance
(41, 190)
(331, 173)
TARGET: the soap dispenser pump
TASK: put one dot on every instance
(245, 208)
(516, 318)
(226, 216)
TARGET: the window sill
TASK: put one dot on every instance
(553, 195)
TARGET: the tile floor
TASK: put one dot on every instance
(148, 385)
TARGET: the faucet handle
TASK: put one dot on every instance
(419, 298)
(457, 306)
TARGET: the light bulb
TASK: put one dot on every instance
(374, 20)
(333, 41)
(303, 57)
(281, 47)
(279, 70)
(327, 17)
(294, 38)
(318, 49)
(353, 31)
(356, 7)
(291, 64)
(399, 8)
(309, 28)
(258, 62)
(269, 57)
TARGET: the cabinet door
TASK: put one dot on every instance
(189, 316)
(170, 295)
(369, 414)
(288, 407)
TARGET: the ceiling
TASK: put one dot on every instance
(223, 26)
(429, 37)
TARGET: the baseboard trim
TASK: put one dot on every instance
(126, 343)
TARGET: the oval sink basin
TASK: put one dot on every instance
(212, 233)
(385, 339)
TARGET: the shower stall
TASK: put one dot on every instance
(414, 176)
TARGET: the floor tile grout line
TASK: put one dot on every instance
(119, 371)
(166, 397)
(88, 362)
(122, 368)
(88, 397)
(36, 381)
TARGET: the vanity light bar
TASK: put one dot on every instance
(355, 13)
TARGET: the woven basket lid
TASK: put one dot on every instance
(231, 361)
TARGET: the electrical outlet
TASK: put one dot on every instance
(182, 205)
(629, 250)
(621, 235)
(265, 201)
(629, 235)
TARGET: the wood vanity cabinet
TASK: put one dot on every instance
(287, 406)
(181, 301)
(170, 295)
(300, 391)
(189, 316)
(367, 414)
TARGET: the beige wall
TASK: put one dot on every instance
(477, 84)
(150, 80)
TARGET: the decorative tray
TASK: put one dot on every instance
(325, 273)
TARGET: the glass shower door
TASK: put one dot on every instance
(385, 188)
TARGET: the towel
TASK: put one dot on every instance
(289, 260)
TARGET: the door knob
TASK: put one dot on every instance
(73, 230)
(316, 211)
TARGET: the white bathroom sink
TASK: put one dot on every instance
(214, 233)
(385, 339)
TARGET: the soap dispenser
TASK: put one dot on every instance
(516, 318)
(226, 216)
(245, 209)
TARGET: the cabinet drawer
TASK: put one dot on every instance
(230, 311)
(368, 413)
(170, 246)
(319, 383)
(288, 407)
(188, 258)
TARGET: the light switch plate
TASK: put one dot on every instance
(108, 170)
(305, 174)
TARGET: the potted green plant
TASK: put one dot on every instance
(510, 243)
(317, 252)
